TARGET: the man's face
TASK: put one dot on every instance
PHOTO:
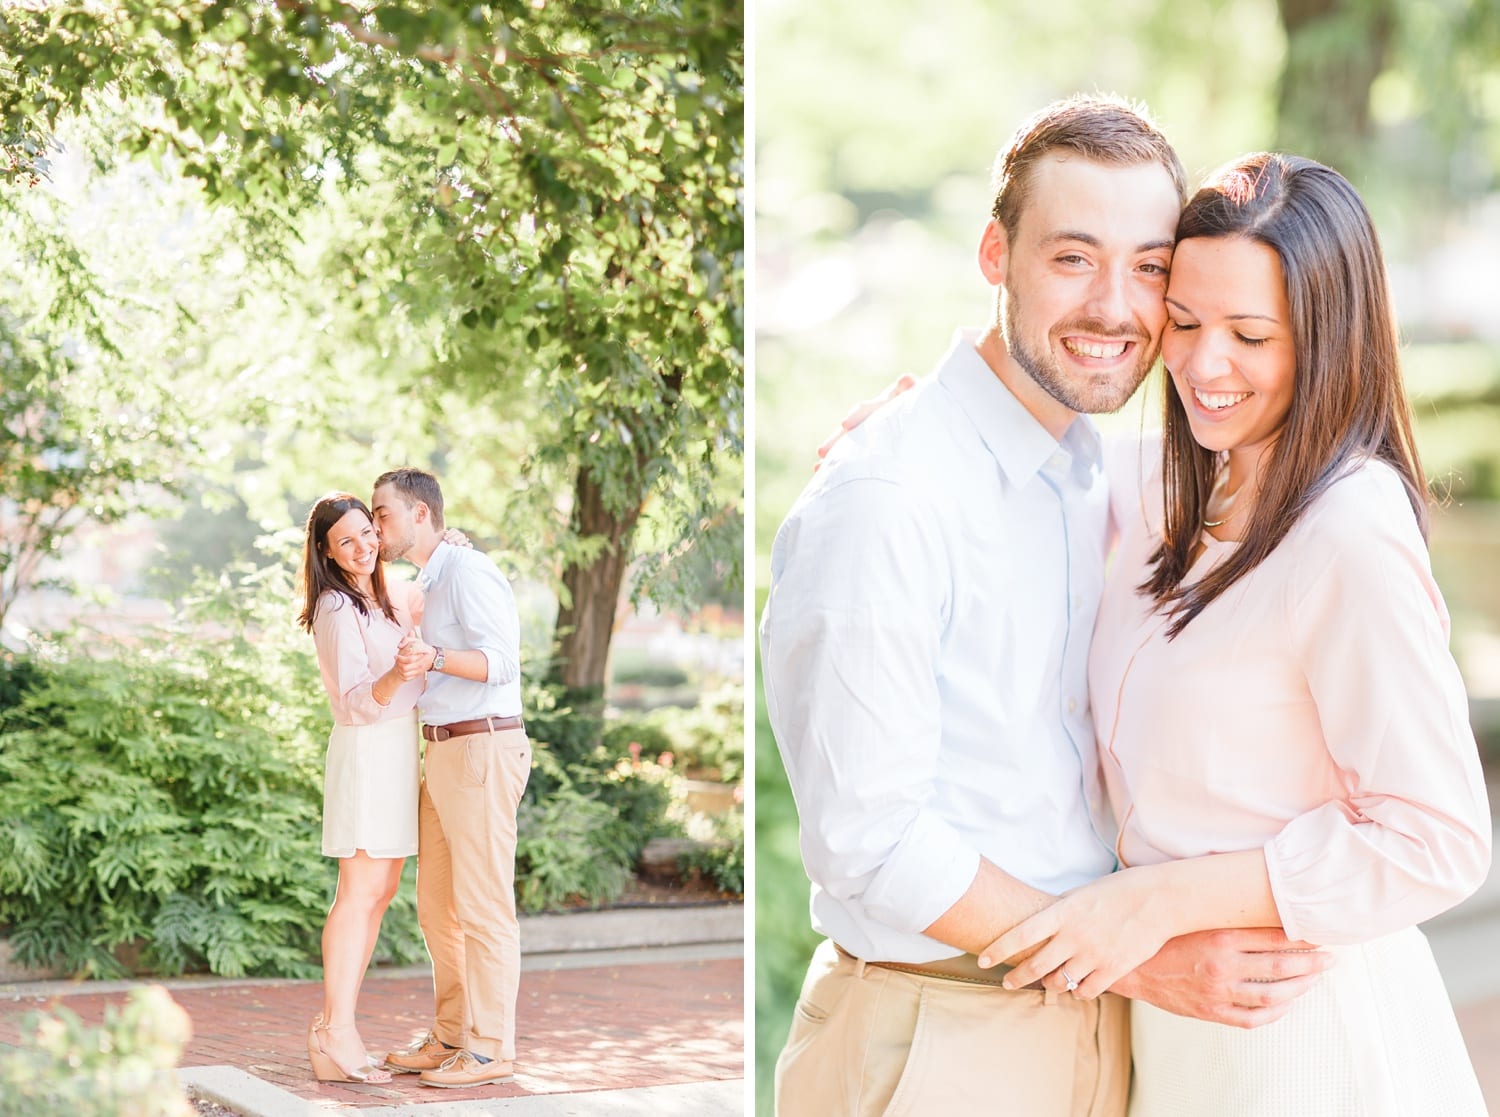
(1084, 276)
(395, 522)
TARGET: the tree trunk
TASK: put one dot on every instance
(1335, 49)
(586, 624)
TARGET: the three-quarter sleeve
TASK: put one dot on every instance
(344, 661)
(850, 642)
(1411, 836)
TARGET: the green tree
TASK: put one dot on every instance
(555, 202)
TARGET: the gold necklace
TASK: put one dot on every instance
(1224, 500)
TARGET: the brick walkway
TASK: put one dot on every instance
(602, 1027)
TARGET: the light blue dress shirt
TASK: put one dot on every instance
(925, 652)
(470, 606)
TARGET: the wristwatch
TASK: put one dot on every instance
(438, 659)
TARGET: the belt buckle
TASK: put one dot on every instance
(440, 733)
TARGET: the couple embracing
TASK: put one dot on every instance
(1182, 808)
(440, 656)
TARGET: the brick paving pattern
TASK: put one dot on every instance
(599, 1028)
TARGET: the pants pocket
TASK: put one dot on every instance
(476, 761)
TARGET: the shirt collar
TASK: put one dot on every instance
(434, 568)
(1018, 443)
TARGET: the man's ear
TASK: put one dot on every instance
(994, 253)
(420, 512)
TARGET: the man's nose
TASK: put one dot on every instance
(1109, 297)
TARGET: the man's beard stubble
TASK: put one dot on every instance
(1091, 395)
(391, 550)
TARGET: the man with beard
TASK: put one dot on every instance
(475, 768)
(925, 648)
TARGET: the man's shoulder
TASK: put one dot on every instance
(917, 440)
(471, 560)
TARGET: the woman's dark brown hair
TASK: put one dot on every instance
(320, 573)
(1348, 402)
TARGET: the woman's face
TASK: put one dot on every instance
(1228, 343)
(352, 546)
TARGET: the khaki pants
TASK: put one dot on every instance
(466, 898)
(868, 1041)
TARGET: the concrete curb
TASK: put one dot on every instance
(244, 1092)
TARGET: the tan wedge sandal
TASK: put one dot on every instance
(328, 1070)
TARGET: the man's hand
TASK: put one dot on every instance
(862, 411)
(413, 657)
(1244, 978)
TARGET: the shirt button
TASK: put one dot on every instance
(1077, 601)
(1072, 705)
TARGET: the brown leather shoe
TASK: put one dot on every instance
(428, 1053)
(461, 1069)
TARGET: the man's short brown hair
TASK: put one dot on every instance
(414, 485)
(1106, 129)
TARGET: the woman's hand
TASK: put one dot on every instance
(456, 538)
(1093, 936)
(862, 411)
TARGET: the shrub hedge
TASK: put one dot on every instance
(160, 802)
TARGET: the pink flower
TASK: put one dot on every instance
(665, 760)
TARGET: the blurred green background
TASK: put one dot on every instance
(876, 123)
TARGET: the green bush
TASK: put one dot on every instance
(152, 799)
(708, 739)
(160, 803)
(721, 860)
(575, 757)
(164, 805)
(649, 738)
(562, 721)
(123, 1068)
(568, 852)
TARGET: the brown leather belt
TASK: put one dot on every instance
(464, 728)
(965, 967)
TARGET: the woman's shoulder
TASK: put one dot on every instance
(332, 604)
(1367, 502)
(1361, 530)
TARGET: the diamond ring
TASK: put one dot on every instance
(1071, 983)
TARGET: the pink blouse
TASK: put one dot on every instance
(1313, 711)
(354, 651)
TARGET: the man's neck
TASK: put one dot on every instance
(422, 551)
(1054, 416)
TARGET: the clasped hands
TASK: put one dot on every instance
(413, 657)
(1117, 934)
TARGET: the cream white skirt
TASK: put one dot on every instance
(370, 784)
(1375, 1037)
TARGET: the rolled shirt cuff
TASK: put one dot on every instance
(925, 875)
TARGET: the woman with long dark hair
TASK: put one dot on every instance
(1283, 730)
(371, 779)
